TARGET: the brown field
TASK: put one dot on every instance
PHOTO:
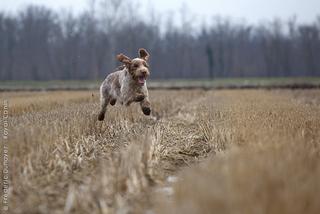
(227, 151)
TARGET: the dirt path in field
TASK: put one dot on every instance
(198, 126)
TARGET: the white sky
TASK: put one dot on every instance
(253, 11)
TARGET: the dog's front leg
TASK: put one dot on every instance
(139, 97)
(136, 98)
(127, 101)
(146, 106)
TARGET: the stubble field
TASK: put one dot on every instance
(223, 151)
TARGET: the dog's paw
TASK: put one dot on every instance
(101, 117)
(113, 102)
(139, 98)
(146, 110)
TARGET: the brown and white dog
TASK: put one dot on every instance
(127, 84)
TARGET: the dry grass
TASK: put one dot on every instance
(271, 164)
(232, 152)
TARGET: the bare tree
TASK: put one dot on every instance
(111, 19)
(40, 44)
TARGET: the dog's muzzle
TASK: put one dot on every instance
(141, 80)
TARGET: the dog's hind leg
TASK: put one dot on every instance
(103, 107)
(104, 101)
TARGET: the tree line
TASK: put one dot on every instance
(38, 43)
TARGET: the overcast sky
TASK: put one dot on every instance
(253, 11)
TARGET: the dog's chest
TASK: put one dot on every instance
(129, 87)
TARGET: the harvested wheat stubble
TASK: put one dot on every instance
(232, 152)
(271, 164)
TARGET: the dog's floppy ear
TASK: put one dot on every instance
(143, 54)
(124, 59)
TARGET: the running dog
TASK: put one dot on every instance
(127, 84)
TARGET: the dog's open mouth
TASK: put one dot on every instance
(141, 80)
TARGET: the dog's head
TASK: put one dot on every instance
(138, 67)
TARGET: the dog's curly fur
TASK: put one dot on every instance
(127, 84)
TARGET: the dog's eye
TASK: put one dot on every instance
(135, 65)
